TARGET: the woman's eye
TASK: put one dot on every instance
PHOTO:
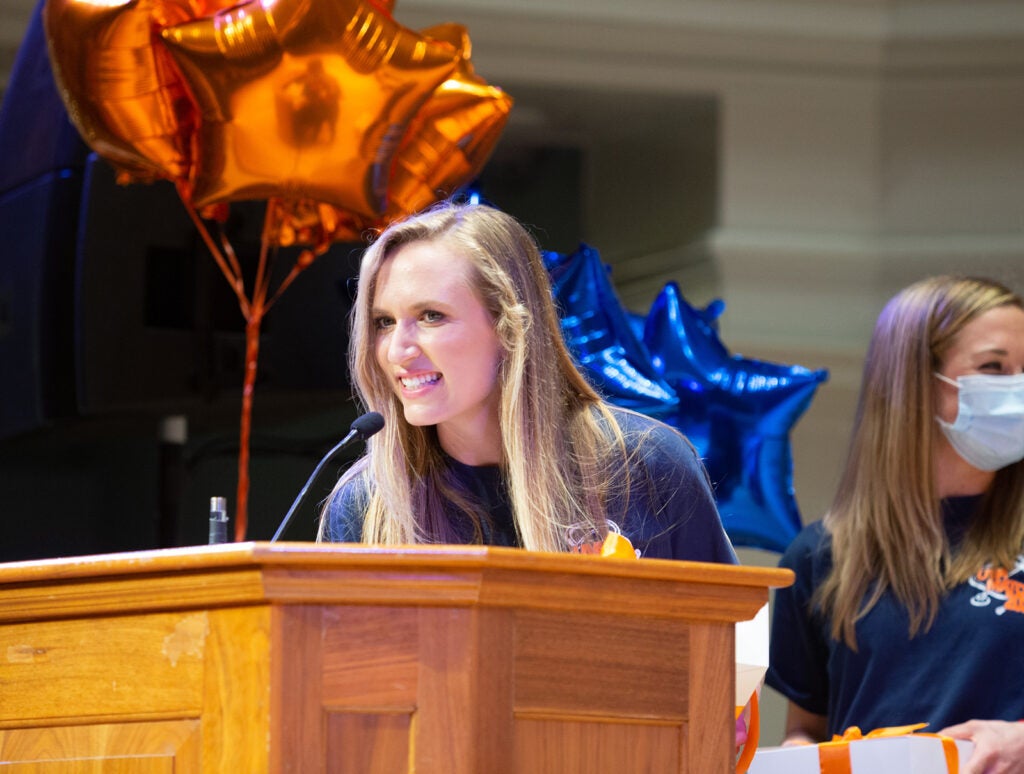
(382, 323)
(432, 316)
(993, 366)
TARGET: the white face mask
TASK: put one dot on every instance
(989, 428)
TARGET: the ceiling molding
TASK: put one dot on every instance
(660, 41)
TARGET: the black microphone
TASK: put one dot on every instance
(362, 428)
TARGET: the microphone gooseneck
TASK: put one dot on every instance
(362, 428)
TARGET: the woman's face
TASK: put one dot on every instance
(992, 343)
(436, 342)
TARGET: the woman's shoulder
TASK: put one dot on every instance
(353, 487)
(347, 506)
(642, 432)
(633, 421)
(668, 507)
(810, 551)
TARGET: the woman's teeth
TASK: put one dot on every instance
(411, 383)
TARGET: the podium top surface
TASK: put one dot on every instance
(258, 573)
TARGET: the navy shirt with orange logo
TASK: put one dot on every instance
(966, 666)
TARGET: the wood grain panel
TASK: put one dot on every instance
(371, 658)
(601, 665)
(133, 765)
(554, 746)
(296, 716)
(359, 743)
(145, 593)
(161, 747)
(651, 597)
(464, 716)
(236, 692)
(103, 667)
(712, 689)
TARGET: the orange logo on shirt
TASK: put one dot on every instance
(995, 582)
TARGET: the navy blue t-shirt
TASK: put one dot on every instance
(669, 512)
(966, 666)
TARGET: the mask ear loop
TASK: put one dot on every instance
(943, 423)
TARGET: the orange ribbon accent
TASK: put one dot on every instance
(614, 545)
(618, 546)
(834, 756)
(753, 735)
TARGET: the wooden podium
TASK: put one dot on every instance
(344, 659)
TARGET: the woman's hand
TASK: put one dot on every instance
(998, 746)
(803, 727)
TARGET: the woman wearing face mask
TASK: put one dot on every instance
(908, 604)
(490, 433)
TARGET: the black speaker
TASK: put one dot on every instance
(157, 326)
(37, 229)
(41, 158)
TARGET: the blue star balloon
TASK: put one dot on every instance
(598, 332)
(738, 412)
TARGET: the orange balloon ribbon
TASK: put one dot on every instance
(253, 309)
(313, 223)
(834, 756)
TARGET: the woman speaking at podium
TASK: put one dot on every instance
(491, 434)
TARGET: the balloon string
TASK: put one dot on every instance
(271, 226)
(234, 279)
(262, 270)
(229, 251)
(306, 257)
(252, 311)
(254, 318)
(253, 321)
(302, 261)
(252, 351)
(253, 314)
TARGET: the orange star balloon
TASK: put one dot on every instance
(122, 94)
(303, 100)
(120, 85)
(445, 146)
(451, 137)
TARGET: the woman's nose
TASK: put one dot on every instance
(403, 343)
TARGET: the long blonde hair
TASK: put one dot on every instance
(558, 438)
(885, 523)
